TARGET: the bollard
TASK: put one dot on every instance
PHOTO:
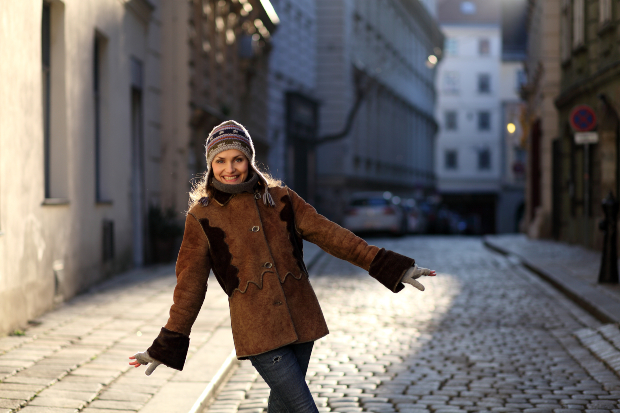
(609, 262)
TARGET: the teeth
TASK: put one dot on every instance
(230, 178)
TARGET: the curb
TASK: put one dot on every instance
(576, 290)
(220, 377)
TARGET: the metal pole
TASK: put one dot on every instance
(608, 272)
(586, 195)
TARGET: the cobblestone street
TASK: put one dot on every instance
(486, 335)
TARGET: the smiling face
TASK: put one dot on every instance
(230, 167)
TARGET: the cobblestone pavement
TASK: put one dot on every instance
(75, 358)
(486, 335)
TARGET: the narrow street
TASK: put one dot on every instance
(486, 335)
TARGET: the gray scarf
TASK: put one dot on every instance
(247, 186)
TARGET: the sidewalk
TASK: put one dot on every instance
(570, 268)
(574, 271)
(75, 358)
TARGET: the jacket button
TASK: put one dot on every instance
(254, 229)
(277, 303)
(268, 265)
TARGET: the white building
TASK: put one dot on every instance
(79, 143)
(381, 48)
(476, 89)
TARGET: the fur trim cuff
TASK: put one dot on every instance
(389, 267)
(170, 348)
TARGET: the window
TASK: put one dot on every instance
(565, 46)
(451, 121)
(451, 159)
(46, 66)
(53, 99)
(100, 97)
(451, 47)
(484, 159)
(565, 23)
(451, 84)
(484, 83)
(521, 79)
(578, 23)
(484, 120)
(484, 47)
(605, 11)
(468, 7)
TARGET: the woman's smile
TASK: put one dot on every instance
(231, 167)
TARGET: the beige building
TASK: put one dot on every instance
(540, 122)
(80, 133)
(215, 68)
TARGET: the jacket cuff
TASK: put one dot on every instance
(389, 267)
(170, 348)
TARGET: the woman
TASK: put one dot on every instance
(248, 230)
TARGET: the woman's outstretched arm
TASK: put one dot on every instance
(386, 266)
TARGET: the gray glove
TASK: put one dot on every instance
(145, 359)
(413, 274)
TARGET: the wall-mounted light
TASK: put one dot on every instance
(511, 127)
(431, 61)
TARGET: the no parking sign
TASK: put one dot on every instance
(582, 118)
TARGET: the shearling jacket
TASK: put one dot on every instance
(255, 253)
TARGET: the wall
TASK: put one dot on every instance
(52, 247)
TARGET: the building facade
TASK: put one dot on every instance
(478, 83)
(540, 121)
(590, 75)
(293, 103)
(80, 137)
(469, 111)
(218, 70)
(375, 55)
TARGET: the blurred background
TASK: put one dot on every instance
(392, 116)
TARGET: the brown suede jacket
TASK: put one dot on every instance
(255, 253)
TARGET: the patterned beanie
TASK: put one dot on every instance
(232, 135)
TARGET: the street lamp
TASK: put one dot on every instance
(511, 127)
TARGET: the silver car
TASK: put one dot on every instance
(375, 211)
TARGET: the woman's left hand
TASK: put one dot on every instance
(144, 358)
(416, 272)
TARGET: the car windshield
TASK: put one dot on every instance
(370, 202)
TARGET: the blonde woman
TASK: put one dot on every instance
(248, 229)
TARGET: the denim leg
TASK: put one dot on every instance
(284, 370)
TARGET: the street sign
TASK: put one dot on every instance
(582, 118)
(586, 138)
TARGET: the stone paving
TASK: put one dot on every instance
(486, 336)
(76, 357)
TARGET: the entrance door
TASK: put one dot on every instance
(137, 178)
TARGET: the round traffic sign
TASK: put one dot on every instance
(582, 118)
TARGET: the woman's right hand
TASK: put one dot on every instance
(144, 358)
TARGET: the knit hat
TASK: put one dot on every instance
(232, 135)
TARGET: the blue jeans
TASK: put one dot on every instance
(284, 370)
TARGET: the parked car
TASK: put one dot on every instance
(415, 217)
(375, 212)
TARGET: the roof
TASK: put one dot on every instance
(469, 11)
